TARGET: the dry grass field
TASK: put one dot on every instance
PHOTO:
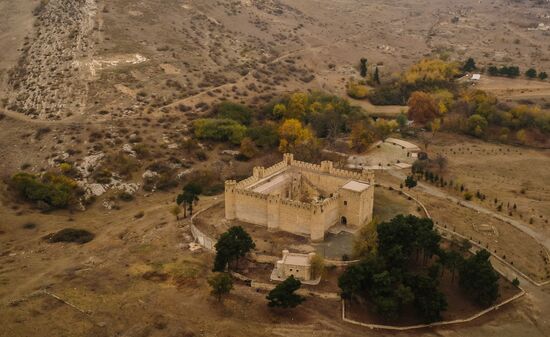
(112, 87)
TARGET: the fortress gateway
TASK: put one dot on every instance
(301, 198)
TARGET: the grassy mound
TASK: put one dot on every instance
(79, 236)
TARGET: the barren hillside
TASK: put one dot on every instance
(124, 57)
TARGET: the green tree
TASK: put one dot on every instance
(219, 130)
(357, 278)
(479, 279)
(221, 284)
(265, 135)
(452, 260)
(492, 70)
(477, 125)
(376, 76)
(284, 296)
(50, 189)
(543, 75)
(402, 120)
(402, 235)
(188, 197)
(531, 73)
(428, 301)
(363, 66)
(235, 111)
(231, 246)
(410, 182)
(469, 65)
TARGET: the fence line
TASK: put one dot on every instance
(200, 237)
(443, 229)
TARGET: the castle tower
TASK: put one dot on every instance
(326, 166)
(273, 209)
(258, 172)
(288, 158)
(317, 223)
(230, 213)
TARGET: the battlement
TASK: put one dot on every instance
(270, 197)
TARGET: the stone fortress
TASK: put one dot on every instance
(301, 198)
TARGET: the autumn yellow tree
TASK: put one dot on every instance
(435, 125)
(356, 90)
(444, 100)
(297, 105)
(298, 139)
(362, 136)
(422, 108)
(432, 71)
(248, 148)
(279, 110)
(366, 242)
(385, 127)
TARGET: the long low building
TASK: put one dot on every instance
(301, 198)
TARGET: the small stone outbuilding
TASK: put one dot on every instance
(294, 264)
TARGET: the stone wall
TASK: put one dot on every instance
(279, 213)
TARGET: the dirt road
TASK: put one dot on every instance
(536, 235)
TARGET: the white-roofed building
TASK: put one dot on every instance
(294, 264)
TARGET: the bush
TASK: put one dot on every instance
(79, 236)
(56, 191)
(219, 130)
(468, 196)
(357, 90)
(125, 196)
(234, 111)
(531, 73)
(29, 225)
(121, 163)
(265, 135)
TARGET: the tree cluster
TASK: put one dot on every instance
(428, 75)
(384, 276)
(189, 196)
(507, 71)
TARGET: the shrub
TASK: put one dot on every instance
(29, 225)
(357, 90)
(121, 163)
(219, 130)
(531, 73)
(234, 111)
(317, 266)
(265, 135)
(56, 191)
(468, 196)
(125, 196)
(79, 236)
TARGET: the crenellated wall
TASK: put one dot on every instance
(277, 212)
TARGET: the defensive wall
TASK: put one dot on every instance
(277, 212)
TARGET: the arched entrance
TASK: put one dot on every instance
(344, 220)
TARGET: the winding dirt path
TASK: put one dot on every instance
(541, 238)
